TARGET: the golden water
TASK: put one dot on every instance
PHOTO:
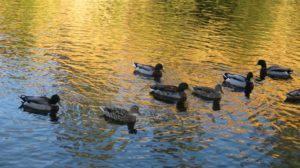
(84, 50)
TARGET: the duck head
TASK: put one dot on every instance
(54, 99)
(158, 67)
(249, 76)
(218, 88)
(135, 109)
(263, 70)
(262, 63)
(183, 86)
(130, 126)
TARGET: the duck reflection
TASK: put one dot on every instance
(216, 105)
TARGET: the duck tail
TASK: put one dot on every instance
(135, 64)
(153, 87)
(192, 89)
(225, 76)
(22, 105)
(102, 108)
(290, 71)
(23, 97)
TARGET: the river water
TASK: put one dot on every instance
(83, 50)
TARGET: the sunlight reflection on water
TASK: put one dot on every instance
(84, 51)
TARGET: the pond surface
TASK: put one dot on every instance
(84, 50)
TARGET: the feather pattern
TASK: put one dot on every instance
(165, 88)
(279, 72)
(293, 96)
(234, 80)
(207, 92)
(36, 99)
(118, 114)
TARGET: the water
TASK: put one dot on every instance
(84, 50)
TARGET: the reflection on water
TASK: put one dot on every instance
(84, 50)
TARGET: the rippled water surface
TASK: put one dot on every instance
(84, 49)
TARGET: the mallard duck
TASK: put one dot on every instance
(208, 93)
(169, 93)
(239, 82)
(275, 72)
(40, 104)
(149, 70)
(122, 116)
(293, 96)
(41, 99)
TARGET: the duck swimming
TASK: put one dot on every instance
(239, 82)
(40, 104)
(274, 72)
(148, 70)
(122, 116)
(293, 96)
(169, 93)
(208, 93)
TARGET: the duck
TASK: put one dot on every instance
(239, 82)
(149, 70)
(293, 96)
(122, 116)
(40, 104)
(274, 72)
(208, 93)
(169, 93)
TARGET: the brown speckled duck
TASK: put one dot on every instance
(122, 116)
(208, 93)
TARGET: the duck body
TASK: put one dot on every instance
(208, 93)
(148, 70)
(293, 96)
(277, 72)
(40, 104)
(239, 82)
(274, 72)
(121, 116)
(234, 80)
(169, 93)
(42, 109)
